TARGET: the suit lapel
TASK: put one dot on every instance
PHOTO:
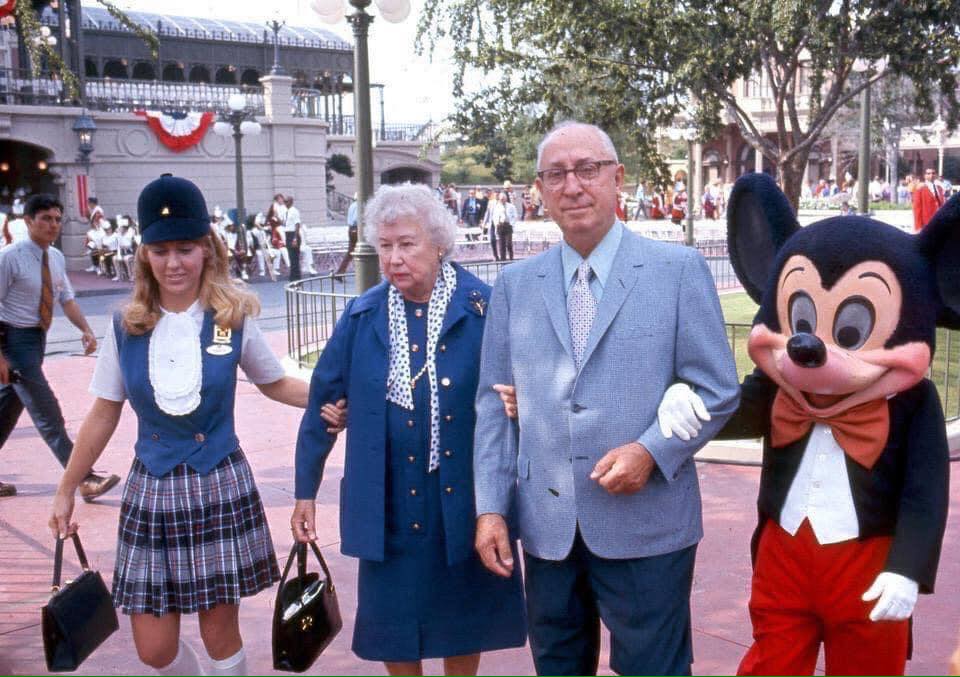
(555, 297)
(623, 277)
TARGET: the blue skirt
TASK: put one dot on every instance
(413, 605)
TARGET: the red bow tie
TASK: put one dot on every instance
(861, 431)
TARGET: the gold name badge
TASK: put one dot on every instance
(221, 341)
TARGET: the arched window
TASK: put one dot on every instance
(143, 70)
(250, 76)
(90, 68)
(226, 75)
(200, 74)
(173, 72)
(116, 69)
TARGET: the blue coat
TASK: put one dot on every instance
(354, 364)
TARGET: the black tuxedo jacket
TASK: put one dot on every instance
(904, 495)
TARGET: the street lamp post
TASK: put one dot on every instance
(332, 11)
(237, 122)
(868, 69)
(275, 26)
(863, 162)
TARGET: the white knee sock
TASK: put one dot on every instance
(233, 665)
(186, 662)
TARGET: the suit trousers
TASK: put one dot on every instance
(293, 246)
(23, 350)
(505, 238)
(645, 602)
(804, 594)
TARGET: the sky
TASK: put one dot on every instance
(417, 88)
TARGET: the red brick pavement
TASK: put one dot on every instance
(267, 431)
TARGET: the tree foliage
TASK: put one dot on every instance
(638, 66)
(466, 165)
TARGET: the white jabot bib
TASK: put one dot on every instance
(176, 363)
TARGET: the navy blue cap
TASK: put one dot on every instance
(172, 208)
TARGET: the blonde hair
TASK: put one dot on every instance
(229, 299)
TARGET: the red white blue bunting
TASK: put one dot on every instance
(177, 131)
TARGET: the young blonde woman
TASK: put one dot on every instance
(193, 537)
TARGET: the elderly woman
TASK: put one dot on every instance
(406, 353)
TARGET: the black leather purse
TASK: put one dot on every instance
(78, 617)
(306, 616)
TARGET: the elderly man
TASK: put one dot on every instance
(591, 333)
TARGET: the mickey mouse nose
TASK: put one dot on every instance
(807, 350)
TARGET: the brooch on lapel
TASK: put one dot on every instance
(221, 341)
(478, 302)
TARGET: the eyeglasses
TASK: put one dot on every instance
(586, 172)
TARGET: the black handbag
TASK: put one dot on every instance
(306, 616)
(78, 617)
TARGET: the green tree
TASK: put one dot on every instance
(465, 165)
(635, 66)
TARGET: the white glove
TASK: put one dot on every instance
(680, 412)
(898, 596)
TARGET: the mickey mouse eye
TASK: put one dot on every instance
(803, 314)
(854, 323)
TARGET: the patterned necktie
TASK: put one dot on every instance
(581, 310)
(46, 293)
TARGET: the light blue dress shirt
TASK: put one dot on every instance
(600, 260)
(21, 282)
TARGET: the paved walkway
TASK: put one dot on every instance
(267, 430)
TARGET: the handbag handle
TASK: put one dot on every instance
(299, 551)
(58, 560)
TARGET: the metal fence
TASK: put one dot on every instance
(314, 306)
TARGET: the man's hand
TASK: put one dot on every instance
(508, 395)
(624, 470)
(335, 415)
(493, 544)
(897, 594)
(303, 520)
(89, 342)
(4, 370)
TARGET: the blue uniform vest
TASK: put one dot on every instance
(202, 438)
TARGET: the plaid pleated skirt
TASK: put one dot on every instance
(188, 542)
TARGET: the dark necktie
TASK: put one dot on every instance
(46, 293)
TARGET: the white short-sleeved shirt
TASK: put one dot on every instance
(256, 359)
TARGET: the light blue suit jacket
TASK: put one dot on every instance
(658, 322)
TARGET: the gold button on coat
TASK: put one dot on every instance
(416, 526)
(200, 437)
(448, 453)
(445, 382)
(414, 347)
(413, 492)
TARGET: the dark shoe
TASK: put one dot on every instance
(7, 489)
(97, 485)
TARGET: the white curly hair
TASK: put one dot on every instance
(415, 201)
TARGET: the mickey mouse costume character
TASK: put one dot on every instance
(854, 486)
(193, 536)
